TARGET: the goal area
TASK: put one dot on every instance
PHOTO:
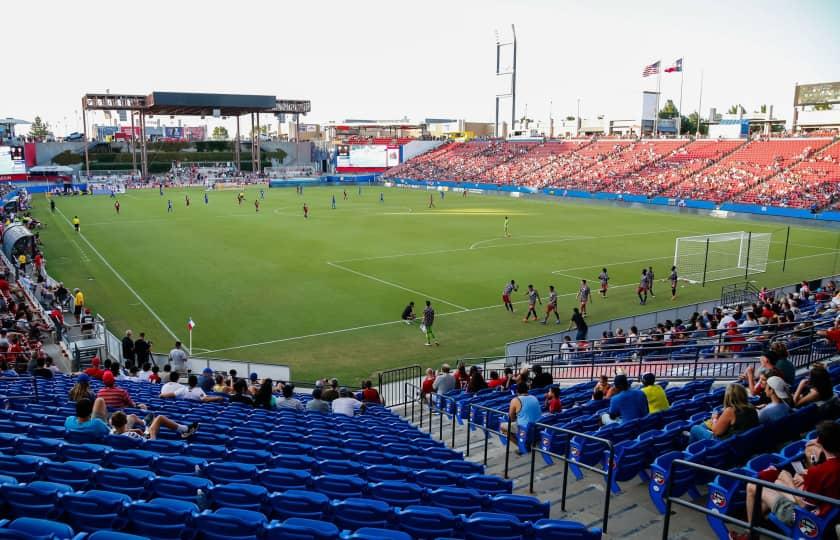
(712, 257)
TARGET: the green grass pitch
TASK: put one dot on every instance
(323, 295)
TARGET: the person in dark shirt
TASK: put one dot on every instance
(142, 349)
(580, 323)
(541, 379)
(41, 370)
(240, 393)
(408, 313)
(128, 349)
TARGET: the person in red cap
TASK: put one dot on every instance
(114, 396)
(732, 342)
(94, 370)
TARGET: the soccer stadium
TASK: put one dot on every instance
(531, 281)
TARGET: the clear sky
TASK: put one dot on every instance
(431, 58)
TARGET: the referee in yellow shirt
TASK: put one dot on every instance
(79, 301)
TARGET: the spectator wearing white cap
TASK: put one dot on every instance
(778, 408)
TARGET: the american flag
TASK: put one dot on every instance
(652, 69)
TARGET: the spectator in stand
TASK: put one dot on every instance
(445, 381)
(578, 322)
(172, 386)
(783, 363)
(316, 404)
(41, 370)
(191, 392)
(461, 377)
(264, 398)
(832, 335)
(90, 419)
(495, 381)
(179, 359)
(114, 396)
(552, 400)
(128, 348)
(79, 303)
(508, 378)
(523, 412)
(371, 394)
(738, 415)
(142, 349)
(346, 404)
(123, 424)
(219, 386)
(655, 394)
(777, 391)
(50, 365)
(541, 379)
(81, 390)
(427, 386)
(758, 388)
(815, 389)
(240, 393)
(330, 393)
(154, 376)
(94, 371)
(206, 380)
(822, 477)
(289, 401)
(627, 404)
(476, 382)
(602, 388)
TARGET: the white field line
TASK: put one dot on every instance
(607, 265)
(377, 325)
(83, 254)
(122, 279)
(504, 245)
(476, 245)
(391, 284)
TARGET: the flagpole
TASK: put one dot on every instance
(190, 341)
(679, 115)
(656, 115)
(699, 105)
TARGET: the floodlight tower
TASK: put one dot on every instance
(508, 72)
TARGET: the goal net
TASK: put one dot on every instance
(712, 257)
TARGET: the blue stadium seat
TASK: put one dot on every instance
(556, 529)
(37, 499)
(630, 459)
(340, 466)
(281, 479)
(113, 535)
(164, 447)
(354, 513)
(169, 465)
(302, 529)
(490, 526)
(285, 447)
(255, 457)
(206, 451)
(381, 473)
(330, 452)
(36, 529)
(135, 459)
(243, 496)
(248, 443)
(299, 503)
(46, 448)
(289, 461)
(443, 454)
(434, 479)
(372, 533)
(397, 493)
(372, 457)
(91, 453)
(683, 479)
(227, 472)
(121, 442)
(8, 441)
(132, 482)
(524, 507)
(807, 524)
(726, 496)
(462, 467)
(418, 462)
(21, 468)
(95, 509)
(42, 431)
(339, 486)
(230, 524)
(459, 500)
(487, 483)
(162, 518)
(180, 487)
(427, 521)
(76, 474)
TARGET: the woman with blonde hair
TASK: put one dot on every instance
(81, 390)
(737, 415)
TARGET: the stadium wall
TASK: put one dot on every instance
(796, 213)
(415, 148)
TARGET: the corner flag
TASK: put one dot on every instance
(190, 324)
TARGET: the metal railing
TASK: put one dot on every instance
(391, 386)
(488, 413)
(415, 393)
(565, 458)
(753, 525)
(435, 403)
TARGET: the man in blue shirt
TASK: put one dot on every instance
(628, 404)
(777, 391)
(86, 421)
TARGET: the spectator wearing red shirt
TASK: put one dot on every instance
(94, 371)
(114, 396)
(833, 334)
(39, 261)
(15, 353)
(4, 284)
(552, 400)
(733, 340)
(427, 386)
(495, 381)
(371, 394)
(822, 477)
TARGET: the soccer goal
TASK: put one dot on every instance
(711, 257)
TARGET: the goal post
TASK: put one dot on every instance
(712, 257)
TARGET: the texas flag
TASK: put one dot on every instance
(190, 324)
(676, 68)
